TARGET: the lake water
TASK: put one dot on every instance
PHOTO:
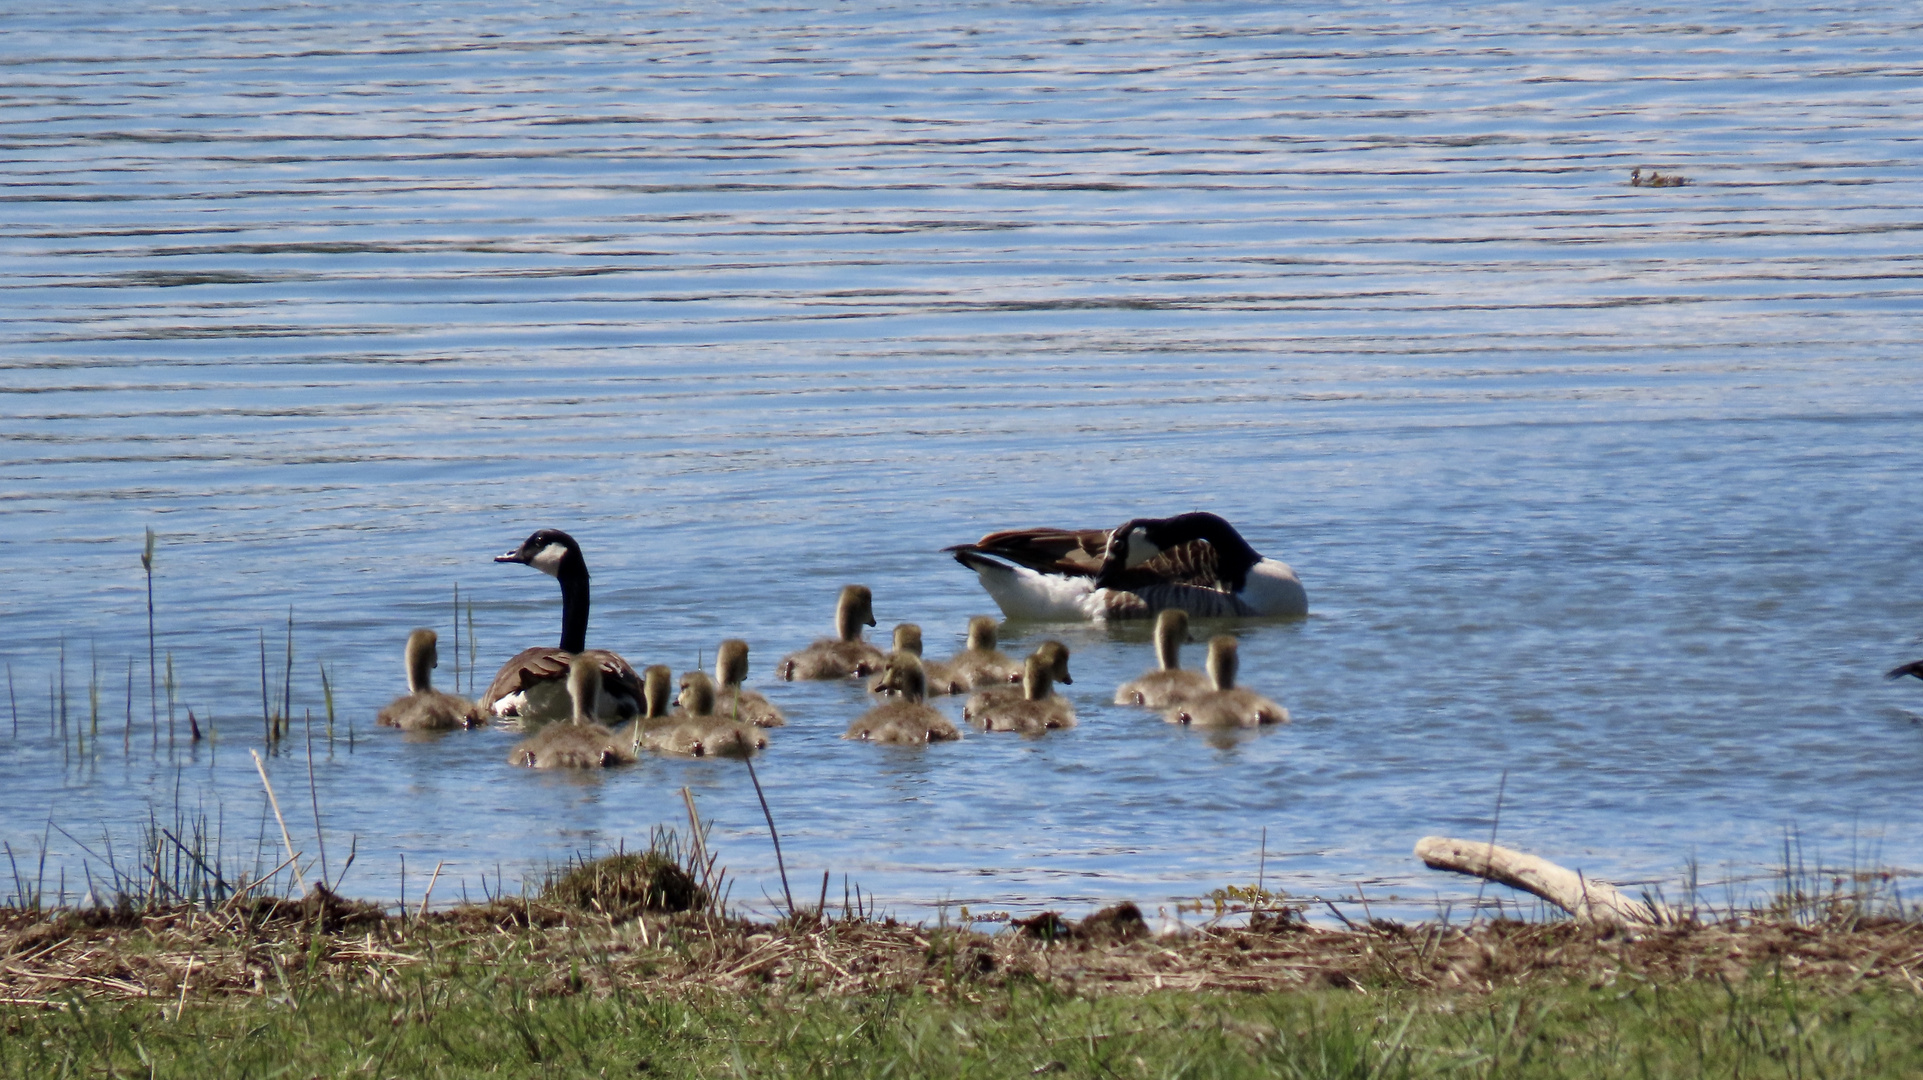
(1609, 489)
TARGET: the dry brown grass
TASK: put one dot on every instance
(267, 947)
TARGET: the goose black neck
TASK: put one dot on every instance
(573, 576)
(1234, 557)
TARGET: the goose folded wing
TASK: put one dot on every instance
(1072, 552)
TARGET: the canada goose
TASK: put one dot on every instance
(1914, 667)
(908, 720)
(844, 654)
(424, 708)
(733, 702)
(657, 704)
(939, 679)
(1227, 705)
(532, 686)
(578, 742)
(1038, 709)
(982, 664)
(1195, 562)
(699, 732)
(1053, 656)
(1169, 684)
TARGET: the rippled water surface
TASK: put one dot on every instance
(1610, 487)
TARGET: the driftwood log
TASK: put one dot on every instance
(1587, 899)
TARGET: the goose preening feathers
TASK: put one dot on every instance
(578, 742)
(981, 663)
(1038, 709)
(424, 708)
(1227, 705)
(1195, 562)
(532, 686)
(1168, 684)
(844, 654)
(907, 720)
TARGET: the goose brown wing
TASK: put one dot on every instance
(618, 677)
(529, 666)
(1074, 552)
(1195, 563)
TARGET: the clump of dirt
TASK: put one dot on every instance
(626, 885)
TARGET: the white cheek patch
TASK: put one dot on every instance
(1140, 549)
(548, 559)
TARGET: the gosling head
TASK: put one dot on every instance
(697, 693)
(1055, 655)
(657, 691)
(855, 609)
(547, 550)
(906, 677)
(1223, 661)
(1171, 632)
(908, 638)
(981, 633)
(584, 687)
(423, 654)
(731, 662)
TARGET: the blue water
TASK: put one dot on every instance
(1604, 489)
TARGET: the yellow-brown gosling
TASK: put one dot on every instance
(844, 654)
(731, 700)
(579, 742)
(1227, 705)
(424, 708)
(657, 705)
(1169, 684)
(699, 732)
(981, 663)
(908, 720)
(940, 680)
(1039, 709)
(1054, 656)
(532, 686)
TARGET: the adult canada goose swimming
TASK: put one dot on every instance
(698, 732)
(1169, 684)
(1038, 709)
(578, 742)
(844, 654)
(981, 663)
(1053, 656)
(1197, 563)
(730, 671)
(908, 720)
(938, 679)
(1914, 667)
(1226, 705)
(424, 708)
(532, 686)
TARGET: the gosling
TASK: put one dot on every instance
(424, 708)
(940, 678)
(731, 700)
(982, 664)
(1054, 656)
(1226, 706)
(579, 742)
(1169, 685)
(844, 654)
(909, 720)
(657, 703)
(1039, 709)
(700, 733)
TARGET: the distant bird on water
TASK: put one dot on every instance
(1914, 667)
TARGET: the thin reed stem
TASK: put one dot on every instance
(287, 679)
(266, 716)
(153, 665)
(13, 702)
(293, 857)
(779, 864)
(457, 637)
(313, 794)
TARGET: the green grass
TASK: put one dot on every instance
(465, 1020)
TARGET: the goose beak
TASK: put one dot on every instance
(512, 556)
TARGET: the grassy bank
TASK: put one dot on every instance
(593, 979)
